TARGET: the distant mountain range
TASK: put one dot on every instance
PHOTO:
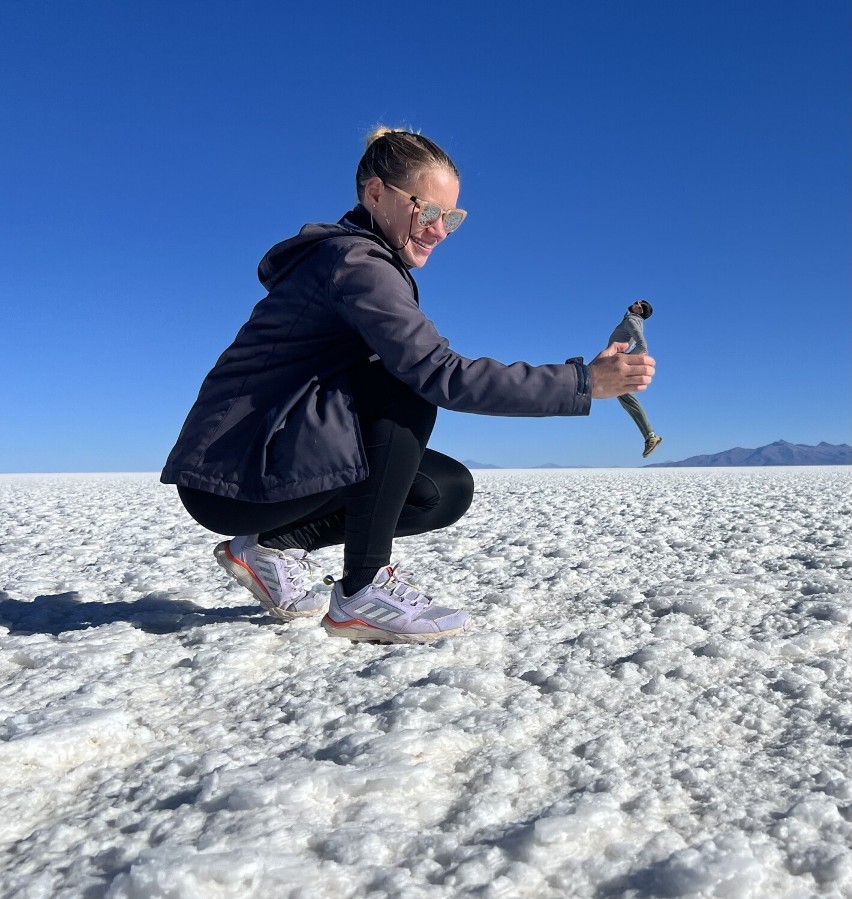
(779, 453)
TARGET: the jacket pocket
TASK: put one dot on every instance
(315, 444)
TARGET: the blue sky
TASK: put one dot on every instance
(694, 153)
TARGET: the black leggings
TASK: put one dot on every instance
(409, 490)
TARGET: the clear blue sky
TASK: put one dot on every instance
(695, 153)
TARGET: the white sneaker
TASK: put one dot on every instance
(276, 578)
(391, 610)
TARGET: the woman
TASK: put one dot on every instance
(311, 429)
(631, 330)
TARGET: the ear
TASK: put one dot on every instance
(373, 191)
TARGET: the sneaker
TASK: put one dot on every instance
(652, 441)
(276, 578)
(390, 610)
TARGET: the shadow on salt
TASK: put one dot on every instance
(155, 613)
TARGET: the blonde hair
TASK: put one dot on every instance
(396, 156)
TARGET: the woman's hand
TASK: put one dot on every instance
(615, 372)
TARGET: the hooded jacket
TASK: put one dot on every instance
(275, 418)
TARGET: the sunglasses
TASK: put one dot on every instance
(431, 212)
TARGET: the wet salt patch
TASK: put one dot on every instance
(655, 701)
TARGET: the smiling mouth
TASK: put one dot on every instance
(423, 246)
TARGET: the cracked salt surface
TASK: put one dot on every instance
(656, 700)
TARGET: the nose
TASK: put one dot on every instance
(436, 229)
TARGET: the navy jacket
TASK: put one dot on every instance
(274, 418)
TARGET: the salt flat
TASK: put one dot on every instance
(656, 700)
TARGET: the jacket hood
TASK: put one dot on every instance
(284, 256)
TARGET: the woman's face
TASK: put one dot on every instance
(397, 216)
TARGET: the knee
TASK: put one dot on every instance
(459, 488)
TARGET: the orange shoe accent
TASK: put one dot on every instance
(352, 621)
(242, 564)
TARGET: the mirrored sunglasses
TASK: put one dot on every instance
(431, 212)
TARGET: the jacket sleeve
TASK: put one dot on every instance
(377, 302)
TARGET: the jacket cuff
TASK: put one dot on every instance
(584, 376)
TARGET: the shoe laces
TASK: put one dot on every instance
(298, 570)
(399, 585)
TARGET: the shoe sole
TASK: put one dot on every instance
(359, 632)
(241, 573)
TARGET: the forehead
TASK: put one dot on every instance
(438, 185)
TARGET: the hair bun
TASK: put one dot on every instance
(377, 132)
